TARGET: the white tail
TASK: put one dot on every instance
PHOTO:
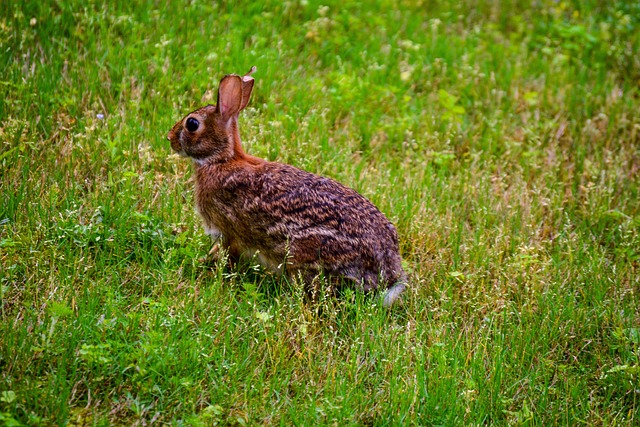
(393, 293)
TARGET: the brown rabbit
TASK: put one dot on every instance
(297, 223)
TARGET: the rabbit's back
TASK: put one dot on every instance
(315, 223)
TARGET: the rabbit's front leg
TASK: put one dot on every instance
(232, 250)
(220, 243)
(222, 246)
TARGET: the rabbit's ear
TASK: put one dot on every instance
(230, 96)
(247, 87)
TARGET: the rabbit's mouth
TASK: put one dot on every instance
(176, 143)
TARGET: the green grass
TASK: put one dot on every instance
(502, 138)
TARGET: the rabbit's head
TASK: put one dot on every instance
(212, 131)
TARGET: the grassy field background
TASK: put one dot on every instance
(502, 138)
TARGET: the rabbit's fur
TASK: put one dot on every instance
(297, 223)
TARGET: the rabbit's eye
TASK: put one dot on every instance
(192, 124)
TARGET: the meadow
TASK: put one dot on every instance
(502, 138)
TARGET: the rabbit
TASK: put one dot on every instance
(295, 222)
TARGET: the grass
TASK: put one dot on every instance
(502, 138)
